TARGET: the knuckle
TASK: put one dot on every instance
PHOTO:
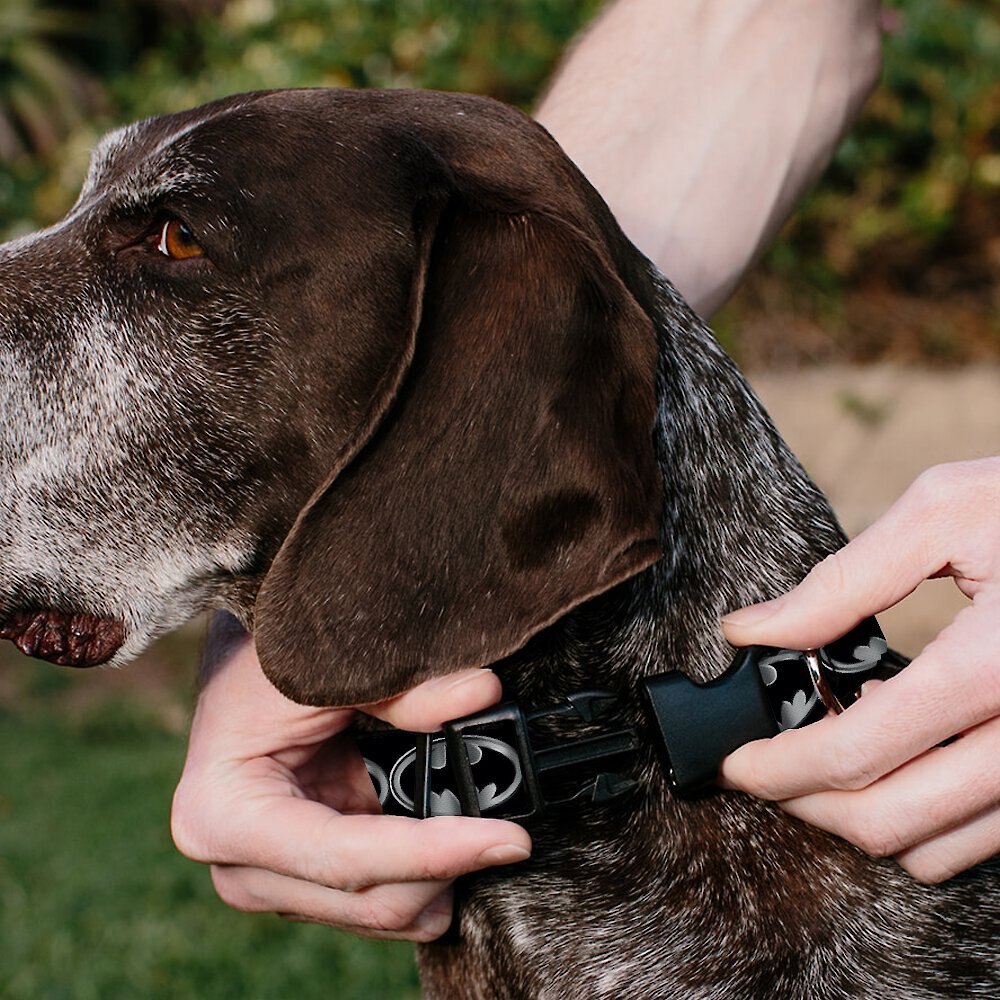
(337, 877)
(932, 482)
(425, 932)
(334, 873)
(829, 577)
(435, 855)
(945, 508)
(338, 869)
(430, 866)
(852, 768)
(336, 880)
(392, 922)
(989, 689)
(230, 888)
(876, 836)
(927, 868)
(755, 776)
(937, 488)
(389, 916)
(187, 827)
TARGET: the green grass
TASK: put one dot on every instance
(95, 902)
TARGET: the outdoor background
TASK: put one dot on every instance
(872, 331)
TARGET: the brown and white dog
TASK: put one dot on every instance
(380, 374)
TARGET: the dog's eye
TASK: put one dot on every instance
(177, 241)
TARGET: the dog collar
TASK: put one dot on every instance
(509, 763)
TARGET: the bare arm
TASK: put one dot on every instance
(702, 122)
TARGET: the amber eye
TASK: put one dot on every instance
(177, 241)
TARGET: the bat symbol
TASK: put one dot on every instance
(486, 754)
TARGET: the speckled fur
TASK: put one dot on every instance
(724, 898)
(162, 431)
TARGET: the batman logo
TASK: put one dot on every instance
(495, 768)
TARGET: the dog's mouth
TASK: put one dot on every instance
(71, 639)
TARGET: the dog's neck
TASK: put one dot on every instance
(658, 896)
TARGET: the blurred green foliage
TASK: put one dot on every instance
(183, 56)
(43, 93)
(505, 48)
(921, 171)
(918, 178)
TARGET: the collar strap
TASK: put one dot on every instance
(508, 763)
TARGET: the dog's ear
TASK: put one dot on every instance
(511, 477)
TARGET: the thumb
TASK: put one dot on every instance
(880, 567)
(425, 707)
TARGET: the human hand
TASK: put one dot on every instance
(876, 775)
(280, 804)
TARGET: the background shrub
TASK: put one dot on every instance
(909, 209)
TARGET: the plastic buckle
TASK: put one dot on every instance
(765, 691)
(496, 763)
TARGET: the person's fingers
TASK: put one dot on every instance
(837, 593)
(236, 671)
(241, 716)
(937, 792)
(418, 911)
(924, 534)
(952, 686)
(941, 857)
(877, 774)
(305, 840)
(426, 706)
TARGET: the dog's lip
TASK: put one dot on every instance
(69, 638)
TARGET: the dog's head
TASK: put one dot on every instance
(362, 367)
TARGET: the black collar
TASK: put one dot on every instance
(509, 763)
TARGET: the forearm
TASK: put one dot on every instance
(703, 121)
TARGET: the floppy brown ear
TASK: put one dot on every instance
(512, 477)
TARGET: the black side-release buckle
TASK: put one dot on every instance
(500, 763)
(765, 691)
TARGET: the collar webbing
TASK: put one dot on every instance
(509, 763)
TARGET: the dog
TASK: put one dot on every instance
(379, 373)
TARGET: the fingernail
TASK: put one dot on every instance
(503, 854)
(753, 615)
